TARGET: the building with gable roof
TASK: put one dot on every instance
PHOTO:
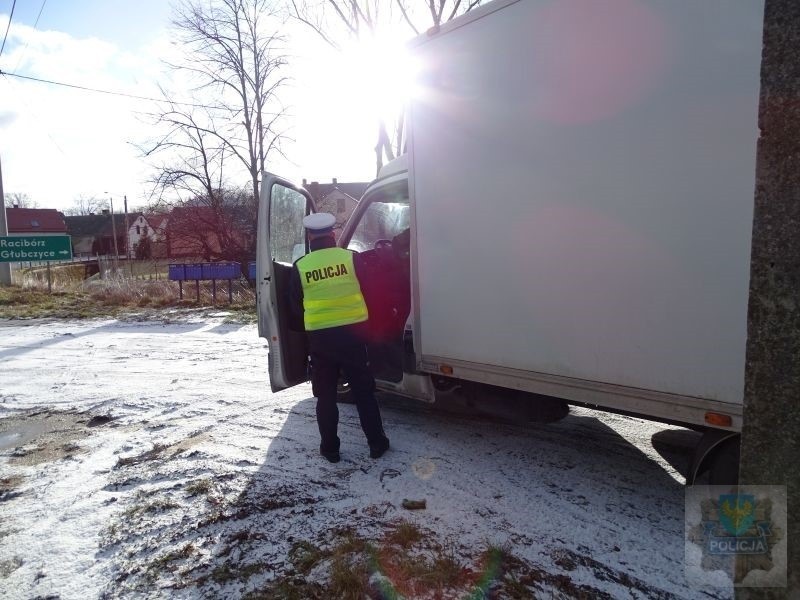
(154, 228)
(339, 199)
(35, 221)
(93, 235)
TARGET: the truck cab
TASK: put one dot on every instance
(380, 230)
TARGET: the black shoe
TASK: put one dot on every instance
(331, 455)
(379, 449)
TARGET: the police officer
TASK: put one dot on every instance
(325, 289)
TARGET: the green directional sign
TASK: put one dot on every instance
(26, 248)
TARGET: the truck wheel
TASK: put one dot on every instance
(544, 409)
(724, 468)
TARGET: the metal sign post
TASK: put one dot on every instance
(5, 270)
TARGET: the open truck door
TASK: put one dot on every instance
(281, 241)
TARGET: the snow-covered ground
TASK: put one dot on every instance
(203, 480)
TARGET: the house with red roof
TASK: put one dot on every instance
(35, 221)
(211, 233)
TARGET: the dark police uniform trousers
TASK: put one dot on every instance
(335, 350)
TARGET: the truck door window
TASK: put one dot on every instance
(387, 214)
(286, 235)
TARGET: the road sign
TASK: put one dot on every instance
(25, 248)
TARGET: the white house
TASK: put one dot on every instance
(152, 226)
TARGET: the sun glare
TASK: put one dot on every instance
(341, 96)
(382, 72)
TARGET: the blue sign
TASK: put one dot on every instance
(204, 271)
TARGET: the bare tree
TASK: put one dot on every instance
(337, 20)
(20, 200)
(237, 69)
(86, 205)
(193, 157)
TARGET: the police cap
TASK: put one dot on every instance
(320, 222)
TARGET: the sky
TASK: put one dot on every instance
(57, 143)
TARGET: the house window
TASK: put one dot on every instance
(137, 230)
(34, 223)
(144, 229)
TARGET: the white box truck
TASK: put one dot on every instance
(571, 221)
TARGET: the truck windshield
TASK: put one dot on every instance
(387, 214)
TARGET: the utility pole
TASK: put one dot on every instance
(770, 452)
(127, 236)
(5, 268)
(114, 233)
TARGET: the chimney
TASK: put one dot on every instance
(304, 182)
(334, 181)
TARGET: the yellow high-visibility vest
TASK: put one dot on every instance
(331, 292)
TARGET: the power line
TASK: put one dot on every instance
(37, 120)
(35, 25)
(5, 37)
(39, 15)
(123, 94)
(99, 91)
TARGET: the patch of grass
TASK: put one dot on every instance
(350, 543)
(199, 487)
(113, 529)
(164, 562)
(29, 303)
(73, 298)
(239, 537)
(407, 561)
(445, 570)
(8, 485)
(9, 566)
(496, 558)
(223, 573)
(348, 579)
(155, 506)
(405, 535)
(243, 311)
(228, 572)
(155, 452)
(305, 556)
(160, 505)
(516, 590)
(248, 571)
(290, 589)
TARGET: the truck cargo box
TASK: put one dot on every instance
(582, 178)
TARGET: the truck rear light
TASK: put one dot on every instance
(446, 369)
(718, 419)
